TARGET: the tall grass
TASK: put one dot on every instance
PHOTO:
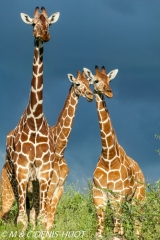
(76, 218)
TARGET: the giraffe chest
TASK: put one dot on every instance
(114, 175)
(33, 146)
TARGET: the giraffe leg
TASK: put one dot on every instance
(52, 189)
(115, 205)
(117, 225)
(53, 185)
(35, 199)
(42, 217)
(55, 200)
(29, 199)
(57, 192)
(137, 222)
(7, 195)
(99, 199)
(44, 207)
(22, 219)
(140, 194)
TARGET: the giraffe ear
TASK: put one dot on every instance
(53, 18)
(112, 74)
(26, 18)
(89, 75)
(71, 78)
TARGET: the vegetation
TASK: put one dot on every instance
(76, 218)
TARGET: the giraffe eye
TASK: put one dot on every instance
(33, 25)
(96, 81)
(77, 84)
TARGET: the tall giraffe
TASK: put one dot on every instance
(30, 146)
(115, 171)
(61, 131)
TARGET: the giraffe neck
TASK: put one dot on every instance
(35, 106)
(108, 136)
(65, 121)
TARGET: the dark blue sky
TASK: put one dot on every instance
(113, 33)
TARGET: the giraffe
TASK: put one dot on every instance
(116, 175)
(61, 132)
(30, 146)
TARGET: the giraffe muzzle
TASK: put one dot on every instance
(43, 38)
(108, 93)
(89, 96)
(42, 35)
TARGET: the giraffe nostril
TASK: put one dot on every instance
(108, 90)
(45, 31)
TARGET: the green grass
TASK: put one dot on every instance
(76, 218)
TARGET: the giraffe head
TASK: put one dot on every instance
(81, 86)
(101, 80)
(40, 23)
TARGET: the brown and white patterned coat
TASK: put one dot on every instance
(30, 146)
(116, 176)
(61, 131)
